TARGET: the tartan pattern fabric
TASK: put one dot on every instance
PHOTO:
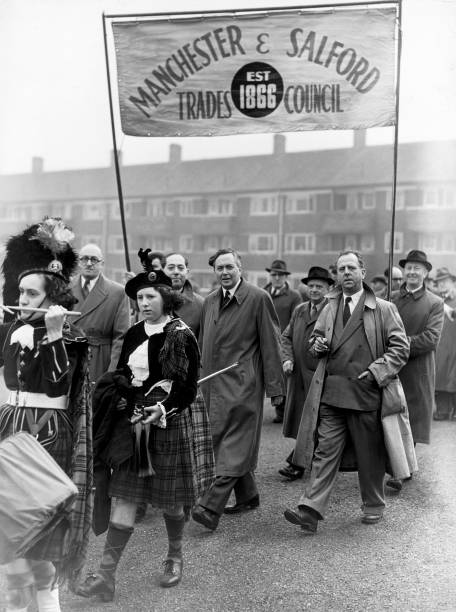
(182, 457)
(173, 357)
(70, 445)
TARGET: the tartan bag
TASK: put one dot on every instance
(35, 495)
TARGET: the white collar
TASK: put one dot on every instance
(92, 281)
(232, 291)
(156, 328)
(354, 298)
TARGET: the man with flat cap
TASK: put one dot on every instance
(298, 364)
(285, 300)
(422, 314)
(445, 366)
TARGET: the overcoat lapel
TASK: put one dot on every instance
(96, 297)
(353, 324)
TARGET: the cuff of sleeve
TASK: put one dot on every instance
(162, 422)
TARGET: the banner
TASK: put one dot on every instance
(274, 72)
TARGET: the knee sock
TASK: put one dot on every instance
(116, 540)
(21, 588)
(175, 528)
(48, 600)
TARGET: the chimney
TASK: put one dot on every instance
(175, 153)
(37, 165)
(119, 157)
(359, 139)
(279, 144)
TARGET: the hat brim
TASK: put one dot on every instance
(426, 264)
(277, 270)
(306, 280)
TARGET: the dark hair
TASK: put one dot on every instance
(176, 253)
(213, 258)
(58, 291)
(171, 299)
(355, 253)
(157, 255)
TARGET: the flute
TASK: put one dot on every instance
(70, 313)
(201, 380)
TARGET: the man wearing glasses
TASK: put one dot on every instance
(104, 308)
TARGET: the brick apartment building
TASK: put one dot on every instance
(303, 207)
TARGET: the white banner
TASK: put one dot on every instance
(279, 72)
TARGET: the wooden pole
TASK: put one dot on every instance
(115, 152)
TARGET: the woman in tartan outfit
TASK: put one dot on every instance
(151, 441)
(45, 371)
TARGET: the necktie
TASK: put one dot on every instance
(313, 310)
(226, 299)
(86, 288)
(346, 314)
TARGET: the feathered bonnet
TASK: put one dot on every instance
(148, 278)
(43, 248)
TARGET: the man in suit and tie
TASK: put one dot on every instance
(344, 399)
(104, 308)
(298, 364)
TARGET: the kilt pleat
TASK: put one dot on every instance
(182, 458)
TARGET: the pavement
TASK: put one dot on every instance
(259, 562)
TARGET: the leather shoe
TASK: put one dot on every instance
(99, 584)
(371, 519)
(302, 517)
(437, 416)
(291, 473)
(172, 572)
(205, 517)
(251, 504)
(394, 483)
(277, 419)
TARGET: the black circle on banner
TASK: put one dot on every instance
(257, 89)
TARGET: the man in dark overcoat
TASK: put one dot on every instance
(105, 313)
(445, 364)
(362, 345)
(285, 300)
(238, 324)
(422, 314)
(298, 363)
(176, 267)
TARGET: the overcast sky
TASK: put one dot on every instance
(54, 101)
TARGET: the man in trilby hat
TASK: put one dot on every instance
(298, 364)
(422, 314)
(445, 365)
(285, 300)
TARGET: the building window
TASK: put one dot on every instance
(300, 243)
(262, 243)
(196, 207)
(156, 209)
(186, 243)
(367, 243)
(345, 201)
(115, 244)
(437, 243)
(398, 242)
(307, 202)
(260, 279)
(220, 208)
(400, 199)
(161, 244)
(263, 205)
(115, 209)
(366, 200)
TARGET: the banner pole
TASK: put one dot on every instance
(115, 152)
(395, 151)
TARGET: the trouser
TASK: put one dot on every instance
(289, 460)
(216, 498)
(365, 430)
(445, 403)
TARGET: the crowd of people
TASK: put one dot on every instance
(167, 389)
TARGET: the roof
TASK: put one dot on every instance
(320, 169)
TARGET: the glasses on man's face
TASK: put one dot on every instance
(86, 258)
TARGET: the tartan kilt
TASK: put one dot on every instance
(56, 438)
(182, 457)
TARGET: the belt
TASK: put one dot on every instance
(27, 399)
